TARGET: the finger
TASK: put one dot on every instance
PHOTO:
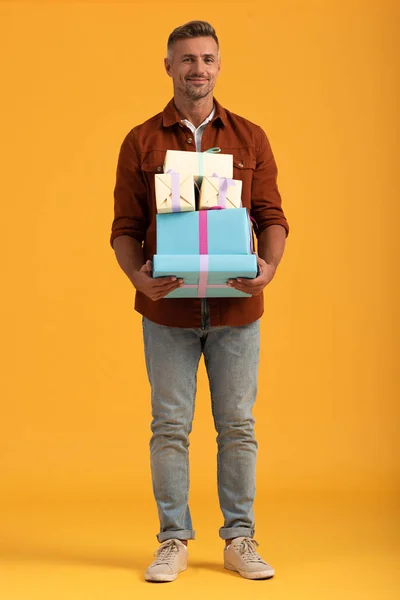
(170, 288)
(163, 281)
(247, 288)
(251, 292)
(162, 291)
(147, 267)
(163, 294)
(254, 281)
(251, 282)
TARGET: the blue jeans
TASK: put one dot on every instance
(231, 357)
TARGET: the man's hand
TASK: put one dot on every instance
(255, 286)
(157, 288)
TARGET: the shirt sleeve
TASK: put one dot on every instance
(130, 194)
(266, 203)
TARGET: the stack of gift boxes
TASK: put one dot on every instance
(204, 247)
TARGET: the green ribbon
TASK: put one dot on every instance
(201, 160)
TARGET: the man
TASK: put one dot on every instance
(178, 331)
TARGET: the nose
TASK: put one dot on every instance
(198, 69)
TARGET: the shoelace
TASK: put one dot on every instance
(248, 551)
(166, 553)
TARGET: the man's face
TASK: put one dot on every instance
(194, 66)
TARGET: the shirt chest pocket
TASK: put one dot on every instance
(244, 167)
(152, 168)
(243, 163)
(149, 171)
(152, 164)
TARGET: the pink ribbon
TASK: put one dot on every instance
(203, 250)
(251, 236)
(175, 190)
(203, 284)
(203, 232)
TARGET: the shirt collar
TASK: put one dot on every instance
(170, 115)
(204, 123)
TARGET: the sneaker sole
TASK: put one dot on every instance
(163, 577)
(268, 574)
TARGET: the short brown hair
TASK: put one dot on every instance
(192, 29)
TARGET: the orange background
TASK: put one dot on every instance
(321, 79)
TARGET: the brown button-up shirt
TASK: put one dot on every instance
(142, 156)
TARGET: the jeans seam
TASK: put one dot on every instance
(215, 422)
(187, 454)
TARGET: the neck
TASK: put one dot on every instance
(194, 111)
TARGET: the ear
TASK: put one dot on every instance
(167, 65)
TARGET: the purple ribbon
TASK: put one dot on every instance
(209, 285)
(224, 183)
(175, 190)
(203, 276)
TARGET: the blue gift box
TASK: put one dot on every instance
(205, 248)
(228, 232)
(205, 276)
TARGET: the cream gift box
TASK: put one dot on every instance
(220, 191)
(174, 193)
(199, 164)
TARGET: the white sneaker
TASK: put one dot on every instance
(171, 559)
(241, 556)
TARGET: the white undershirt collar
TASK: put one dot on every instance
(198, 131)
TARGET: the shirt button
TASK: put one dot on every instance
(159, 169)
(190, 140)
(241, 165)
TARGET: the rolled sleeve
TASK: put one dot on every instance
(130, 194)
(266, 203)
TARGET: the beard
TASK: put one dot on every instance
(197, 93)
